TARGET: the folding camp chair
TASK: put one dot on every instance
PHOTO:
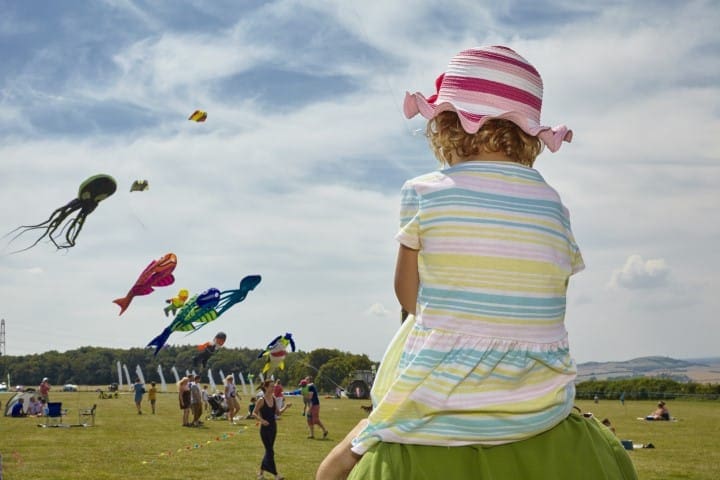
(87, 412)
(54, 414)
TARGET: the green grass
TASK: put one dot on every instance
(126, 445)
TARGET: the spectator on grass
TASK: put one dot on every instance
(152, 396)
(35, 407)
(607, 423)
(196, 405)
(231, 397)
(139, 389)
(304, 391)
(45, 389)
(184, 399)
(205, 398)
(267, 411)
(660, 413)
(313, 414)
(251, 407)
(17, 409)
(278, 393)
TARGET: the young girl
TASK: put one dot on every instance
(485, 255)
(231, 398)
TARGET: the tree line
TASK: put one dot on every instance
(329, 368)
(646, 388)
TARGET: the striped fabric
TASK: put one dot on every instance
(490, 82)
(486, 360)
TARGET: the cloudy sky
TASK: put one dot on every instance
(296, 173)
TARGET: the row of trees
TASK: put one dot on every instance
(330, 368)
(646, 388)
(97, 366)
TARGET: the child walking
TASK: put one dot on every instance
(485, 255)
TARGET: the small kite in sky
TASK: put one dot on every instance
(139, 186)
(206, 349)
(91, 192)
(157, 274)
(203, 309)
(198, 116)
(176, 302)
(277, 351)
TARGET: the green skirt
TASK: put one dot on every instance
(577, 448)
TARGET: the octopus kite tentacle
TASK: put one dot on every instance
(50, 225)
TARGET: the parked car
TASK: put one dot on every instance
(69, 387)
(3, 387)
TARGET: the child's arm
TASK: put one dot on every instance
(407, 278)
(341, 460)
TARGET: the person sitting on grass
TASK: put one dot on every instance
(660, 413)
(251, 407)
(35, 408)
(17, 409)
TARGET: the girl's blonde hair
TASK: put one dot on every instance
(452, 144)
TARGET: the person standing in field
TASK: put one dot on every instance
(278, 393)
(313, 414)
(205, 398)
(44, 389)
(152, 396)
(184, 400)
(267, 411)
(139, 389)
(305, 393)
(231, 398)
(196, 405)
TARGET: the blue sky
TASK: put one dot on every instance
(296, 173)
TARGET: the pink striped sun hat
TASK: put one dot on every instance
(489, 82)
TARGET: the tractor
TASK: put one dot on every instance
(359, 384)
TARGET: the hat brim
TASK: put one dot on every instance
(552, 137)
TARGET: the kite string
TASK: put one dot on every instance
(391, 90)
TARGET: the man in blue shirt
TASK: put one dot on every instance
(17, 409)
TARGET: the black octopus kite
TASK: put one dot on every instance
(91, 192)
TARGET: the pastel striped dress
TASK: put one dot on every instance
(486, 359)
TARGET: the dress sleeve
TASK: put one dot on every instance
(576, 261)
(409, 234)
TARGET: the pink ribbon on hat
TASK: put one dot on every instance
(438, 83)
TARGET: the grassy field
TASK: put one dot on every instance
(126, 445)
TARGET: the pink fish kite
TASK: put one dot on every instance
(157, 274)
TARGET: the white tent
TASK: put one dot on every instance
(15, 398)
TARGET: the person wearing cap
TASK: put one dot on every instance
(481, 366)
(313, 412)
(44, 389)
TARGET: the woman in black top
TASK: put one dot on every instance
(265, 411)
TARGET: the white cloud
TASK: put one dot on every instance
(637, 273)
(378, 310)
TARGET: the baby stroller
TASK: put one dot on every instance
(218, 410)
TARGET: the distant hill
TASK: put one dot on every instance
(701, 370)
